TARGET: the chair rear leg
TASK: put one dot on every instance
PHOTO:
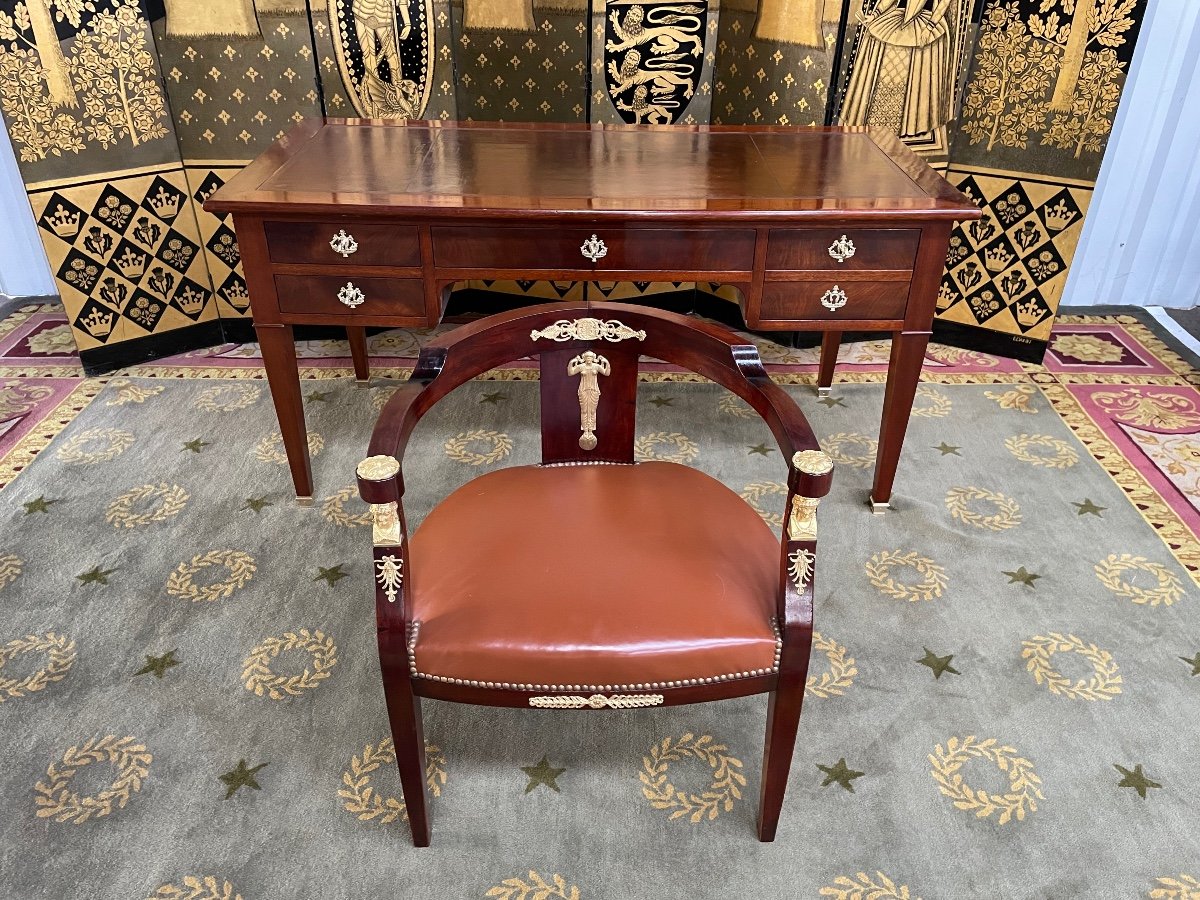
(783, 717)
(404, 714)
(357, 337)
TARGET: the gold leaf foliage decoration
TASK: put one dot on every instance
(938, 405)
(228, 397)
(270, 449)
(368, 805)
(1026, 447)
(458, 447)
(841, 449)
(333, 509)
(55, 799)
(129, 392)
(171, 499)
(536, 888)
(862, 886)
(669, 446)
(10, 569)
(1112, 574)
(1007, 512)
(93, 445)
(260, 680)
(931, 587)
(1104, 684)
(1024, 786)
(757, 491)
(197, 887)
(840, 676)
(239, 564)
(1019, 398)
(60, 651)
(725, 788)
(1175, 887)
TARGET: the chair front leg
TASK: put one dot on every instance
(408, 736)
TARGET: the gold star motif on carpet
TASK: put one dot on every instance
(760, 449)
(948, 449)
(1021, 576)
(1088, 508)
(662, 401)
(493, 397)
(938, 664)
(831, 402)
(542, 774)
(1135, 779)
(256, 504)
(95, 575)
(41, 504)
(841, 773)
(319, 396)
(240, 777)
(158, 665)
(195, 446)
(332, 575)
(1194, 662)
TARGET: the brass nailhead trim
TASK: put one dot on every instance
(658, 685)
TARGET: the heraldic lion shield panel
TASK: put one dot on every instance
(654, 53)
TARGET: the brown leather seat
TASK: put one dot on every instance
(602, 577)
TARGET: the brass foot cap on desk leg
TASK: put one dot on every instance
(824, 391)
(878, 508)
(304, 501)
(363, 381)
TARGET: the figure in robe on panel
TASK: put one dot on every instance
(903, 72)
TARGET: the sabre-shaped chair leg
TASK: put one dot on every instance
(783, 718)
(404, 713)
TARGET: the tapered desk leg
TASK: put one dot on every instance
(831, 342)
(357, 335)
(904, 372)
(279, 359)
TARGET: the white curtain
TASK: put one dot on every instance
(1141, 240)
(23, 268)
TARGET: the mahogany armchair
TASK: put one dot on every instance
(699, 600)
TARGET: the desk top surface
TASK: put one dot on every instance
(496, 169)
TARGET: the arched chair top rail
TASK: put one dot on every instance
(711, 351)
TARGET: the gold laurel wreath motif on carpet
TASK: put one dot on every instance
(679, 447)
(256, 669)
(270, 449)
(456, 447)
(196, 887)
(733, 405)
(172, 499)
(10, 569)
(841, 670)
(380, 397)
(128, 392)
(1103, 685)
(836, 445)
(756, 491)
(60, 651)
(1171, 887)
(536, 888)
(113, 442)
(1019, 398)
(1023, 783)
(1007, 514)
(333, 509)
(865, 887)
(367, 804)
(228, 397)
(726, 786)
(56, 800)
(1111, 569)
(1024, 447)
(879, 566)
(938, 407)
(241, 569)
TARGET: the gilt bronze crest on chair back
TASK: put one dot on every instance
(694, 598)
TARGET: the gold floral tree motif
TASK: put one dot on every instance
(37, 18)
(27, 98)
(115, 72)
(1088, 120)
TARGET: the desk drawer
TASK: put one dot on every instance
(379, 296)
(808, 299)
(363, 244)
(627, 249)
(819, 248)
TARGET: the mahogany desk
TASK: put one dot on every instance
(369, 222)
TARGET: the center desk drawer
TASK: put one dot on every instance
(632, 249)
(842, 248)
(369, 296)
(849, 299)
(343, 243)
